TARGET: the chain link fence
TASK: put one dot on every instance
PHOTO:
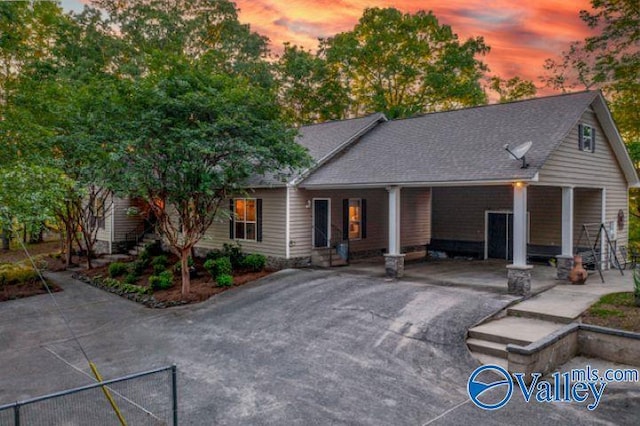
(148, 398)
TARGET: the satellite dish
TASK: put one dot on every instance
(519, 152)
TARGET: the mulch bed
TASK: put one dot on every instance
(19, 291)
(202, 286)
(618, 311)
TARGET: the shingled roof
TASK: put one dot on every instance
(323, 141)
(464, 145)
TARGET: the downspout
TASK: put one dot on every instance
(287, 221)
(112, 225)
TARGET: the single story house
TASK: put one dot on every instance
(441, 180)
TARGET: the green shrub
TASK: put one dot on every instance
(254, 262)
(117, 269)
(137, 268)
(214, 255)
(153, 249)
(124, 287)
(219, 266)
(160, 260)
(16, 274)
(144, 257)
(131, 278)
(224, 280)
(159, 264)
(178, 266)
(234, 253)
(162, 281)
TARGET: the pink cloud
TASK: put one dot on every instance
(521, 34)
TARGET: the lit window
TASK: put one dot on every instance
(355, 219)
(587, 138)
(245, 218)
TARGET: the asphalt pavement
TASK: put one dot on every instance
(298, 347)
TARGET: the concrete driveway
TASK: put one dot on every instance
(299, 347)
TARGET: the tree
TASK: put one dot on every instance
(32, 194)
(513, 89)
(55, 117)
(610, 61)
(404, 64)
(153, 32)
(308, 90)
(27, 29)
(190, 140)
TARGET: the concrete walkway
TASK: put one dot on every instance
(541, 315)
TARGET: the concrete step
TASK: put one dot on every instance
(326, 258)
(560, 304)
(488, 348)
(488, 359)
(520, 331)
(539, 316)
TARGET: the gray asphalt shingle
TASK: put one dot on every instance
(321, 140)
(453, 146)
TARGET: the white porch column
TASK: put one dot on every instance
(565, 260)
(567, 221)
(394, 219)
(519, 273)
(394, 261)
(519, 224)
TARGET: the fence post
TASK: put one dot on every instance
(16, 415)
(174, 386)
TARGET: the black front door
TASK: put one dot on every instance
(320, 223)
(500, 236)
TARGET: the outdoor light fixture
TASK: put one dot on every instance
(519, 152)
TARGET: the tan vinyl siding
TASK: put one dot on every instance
(570, 166)
(415, 218)
(123, 223)
(544, 204)
(300, 222)
(459, 212)
(104, 234)
(273, 226)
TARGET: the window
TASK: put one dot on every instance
(245, 219)
(587, 138)
(355, 219)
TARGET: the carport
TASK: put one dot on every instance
(482, 200)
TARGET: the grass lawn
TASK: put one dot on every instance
(16, 254)
(615, 310)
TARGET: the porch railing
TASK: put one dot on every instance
(136, 235)
(337, 242)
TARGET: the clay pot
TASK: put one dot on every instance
(578, 274)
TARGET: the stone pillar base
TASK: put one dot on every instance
(519, 279)
(394, 265)
(564, 266)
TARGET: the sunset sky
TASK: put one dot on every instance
(522, 34)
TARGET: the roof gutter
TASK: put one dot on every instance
(496, 182)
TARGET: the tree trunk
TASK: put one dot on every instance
(68, 243)
(5, 240)
(186, 278)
